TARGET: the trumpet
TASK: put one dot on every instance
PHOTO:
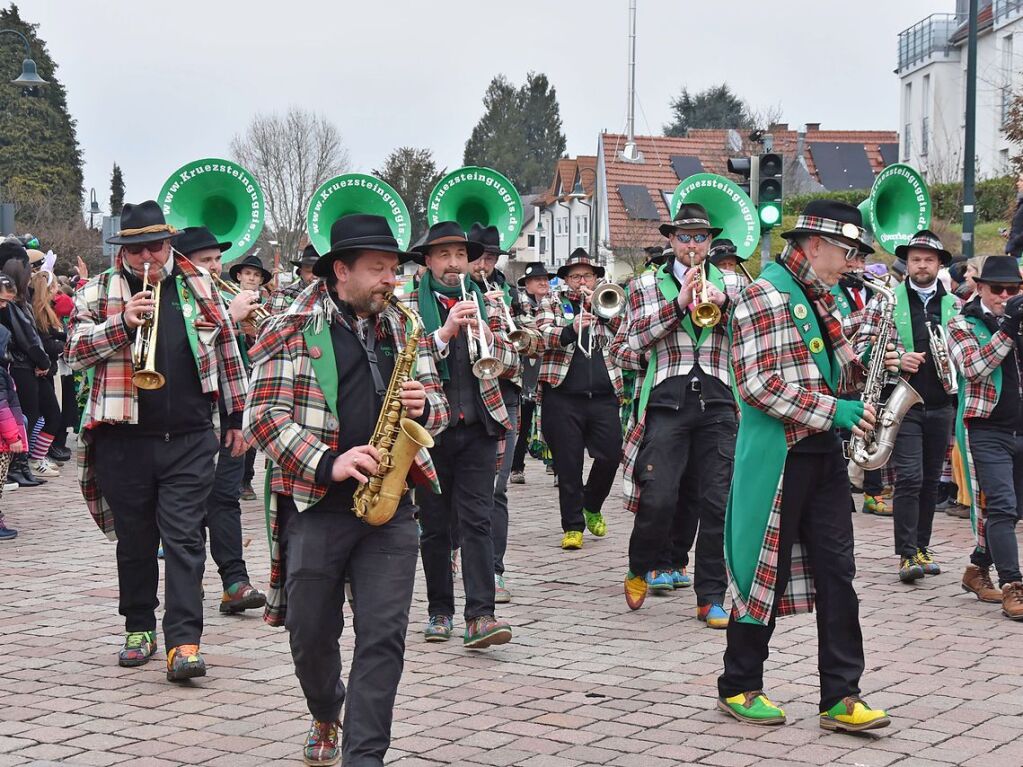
(259, 314)
(143, 353)
(706, 314)
(518, 337)
(942, 361)
(486, 365)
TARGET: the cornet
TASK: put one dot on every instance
(486, 365)
(143, 355)
(519, 338)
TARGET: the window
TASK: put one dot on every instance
(530, 240)
(543, 244)
(557, 228)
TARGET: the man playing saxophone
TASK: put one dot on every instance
(324, 363)
(921, 305)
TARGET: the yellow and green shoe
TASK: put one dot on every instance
(852, 714)
(635, 590)
(572, 540)
(595, 523)
(752, 707)
(874, 504)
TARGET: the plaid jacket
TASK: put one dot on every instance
(99, 339)
(976, 363)
(288, 416)
(651, 325)
(775, 373)
(280, 300)
(550, 320)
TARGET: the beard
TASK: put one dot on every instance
(370, 303)
(451, 279)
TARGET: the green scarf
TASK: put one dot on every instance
(429, 310)
(903, 320)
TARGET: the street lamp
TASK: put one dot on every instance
(93, 206)
(29, 77)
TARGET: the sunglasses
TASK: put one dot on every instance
(852, 252)
(687, 238)
(1009, 290)
(152, 247)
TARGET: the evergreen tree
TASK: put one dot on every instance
(413, 174)
(40, 160)
(715, 107)
(116, 191)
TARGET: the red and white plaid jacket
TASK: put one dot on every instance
(976, 363)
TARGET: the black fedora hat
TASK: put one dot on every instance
(195, 238)
(444, 233)
(925, 239)
(357, 232)
(142, 223)
(1001, 269)
(580, 256)
(535, 269)
(831, 218)
(253, 262)
(690, 215)
(488, 237)
(309, 258)
(656, 255)
(723, 248)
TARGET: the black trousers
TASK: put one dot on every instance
(465, 458)
(157, 490)
(685, 461)
(918, 456)
(526, 411)
(573, 424)
(998, 461)
(68, 410)
(499, 522)
(224, 519)
(250, 466)
(322, 548)
(684, 526)
(38, 399)
(815, 509)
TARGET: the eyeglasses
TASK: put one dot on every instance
(152, 247)
(852, 252)
(687, 238)
(583, 276)
(1009, 290)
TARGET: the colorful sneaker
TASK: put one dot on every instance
(139, 647)
(185, 662)
(635, 590)
(660, 582)
(852, 714)
(517, 478)
(501, 594)
(753, 708)
(595, 523)
(925, 559)
(680, 579)
(248, 494)
(43, 468)
(874, 504)
(572, 540)
(438, 628)
(321, 749)
(713, 615)
(241, 596)
(910, 570)
(486, 631)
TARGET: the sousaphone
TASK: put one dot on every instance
(356, 193)
(898, 207)
(474, 195)
(728, 206)
(220, 195)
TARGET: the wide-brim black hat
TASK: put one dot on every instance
(445, 233)
(142, 223)
(723, 248)
(309, 258)
(192, 239)
(489, 238)
(351, 234)
(831, 218)
(580, 256)
(535, 269)
(690, 216)
(1001, 269)
(925, 239)
(12, 248)
(252, 262)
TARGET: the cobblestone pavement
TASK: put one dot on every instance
(583, 682)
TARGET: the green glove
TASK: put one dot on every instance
(848, 413)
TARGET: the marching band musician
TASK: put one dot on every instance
(922, 440)
(580, 392)
(320, 374)
(788, 531)
(457, 334)
(489, 278)
(146, 459)
(281, 299)
(223, 511)
(985, 343)
(683, 440)
(725, 256)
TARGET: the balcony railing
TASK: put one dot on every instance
(929, 38)
(1006, 8)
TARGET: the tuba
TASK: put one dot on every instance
(355, 193)
(898, 207)
(473, 195)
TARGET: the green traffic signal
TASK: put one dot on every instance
(770, 214)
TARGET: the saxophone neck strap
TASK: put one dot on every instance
(368, 345)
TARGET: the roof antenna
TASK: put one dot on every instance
(631, 153)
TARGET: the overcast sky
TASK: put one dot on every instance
(155, 85)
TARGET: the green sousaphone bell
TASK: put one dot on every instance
(898, 207)
(728, 206)
(473, 195)
(356, 193)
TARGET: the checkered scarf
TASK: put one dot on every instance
(793, 259)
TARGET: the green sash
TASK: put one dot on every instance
(323, 362)
(844, 307)
(761, 451)
(903, 320)
(669, 288)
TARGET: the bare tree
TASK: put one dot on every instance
(291, 155)
(629, 247)
(58, 230)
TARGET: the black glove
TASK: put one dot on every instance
(1013, 315)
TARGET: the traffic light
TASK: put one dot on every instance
(769, 190)
(743, 166)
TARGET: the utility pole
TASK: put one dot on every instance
(969, 162)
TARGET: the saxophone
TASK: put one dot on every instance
(874, 448)
(397, 438)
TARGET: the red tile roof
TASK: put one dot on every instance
(565, 174)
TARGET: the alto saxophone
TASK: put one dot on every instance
(874, 448)
(397, 438)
